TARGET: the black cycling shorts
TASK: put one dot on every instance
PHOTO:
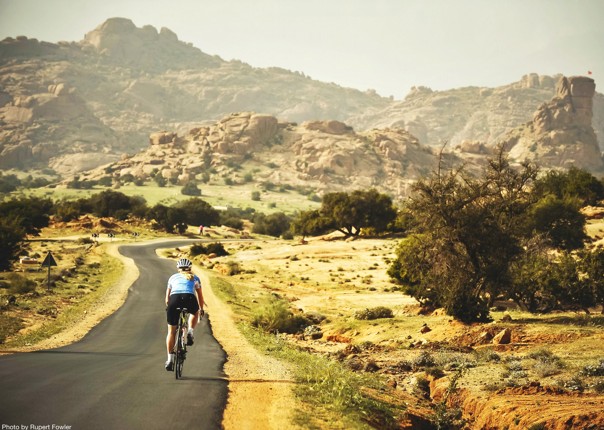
(175, 301)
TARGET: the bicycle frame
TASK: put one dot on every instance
(180, 345)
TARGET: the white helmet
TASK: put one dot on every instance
(183, 263)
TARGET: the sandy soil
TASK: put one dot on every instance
(259, 386)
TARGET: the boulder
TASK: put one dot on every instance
(161, 137)
(503, 337)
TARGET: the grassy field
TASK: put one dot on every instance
(239, 196)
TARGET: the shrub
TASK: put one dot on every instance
(276, 317)
(594, 369)
(233, 268)
(212, 248)
(573, 384)
(425, 359)
(20, 284)
(190, 189)
(374, 313)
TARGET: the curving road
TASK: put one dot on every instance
(114, 378)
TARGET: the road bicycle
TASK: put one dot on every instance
(180, 346)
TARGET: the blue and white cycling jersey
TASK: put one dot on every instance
(179, 284)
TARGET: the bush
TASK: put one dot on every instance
(190, 189)
(212, 248)
(277, 317)
(374, 313)
(20, 284)
(233, 222)
(594, 369)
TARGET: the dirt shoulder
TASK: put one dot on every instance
(260, 386)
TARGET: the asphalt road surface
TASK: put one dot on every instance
(114, 378)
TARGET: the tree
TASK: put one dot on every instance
(560, 219)
(107, 203)
(11, 236)
(32, 213)
(349, 213)
(199, 212)
(190, 189)
(575, 182)
(467, 232)
(274, 224)
(9, 183)
(169, 218)
(311, 223)
(591, 265)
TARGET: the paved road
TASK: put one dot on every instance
(114, 378)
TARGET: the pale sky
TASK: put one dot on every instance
(386, 45)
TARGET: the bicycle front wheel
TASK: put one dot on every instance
(178, 360)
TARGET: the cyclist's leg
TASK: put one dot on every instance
(193, 307)
(172, 319)
(171, 339)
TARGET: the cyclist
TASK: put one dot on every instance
(183, 291)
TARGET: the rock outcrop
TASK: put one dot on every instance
(326, 156)
(561, 133)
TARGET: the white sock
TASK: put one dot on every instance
(171, 358)
(190, 331)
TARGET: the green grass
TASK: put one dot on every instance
(334, 394)
(9, 325)
(239, 196)
(81, 301)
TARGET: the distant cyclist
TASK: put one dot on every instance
(183, 291)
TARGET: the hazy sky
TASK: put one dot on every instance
(386, 45)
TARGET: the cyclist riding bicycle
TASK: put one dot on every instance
(183, 291)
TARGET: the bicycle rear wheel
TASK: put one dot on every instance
(178, 360)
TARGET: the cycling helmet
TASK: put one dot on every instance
(183, 263)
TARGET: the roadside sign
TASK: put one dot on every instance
(49, 260)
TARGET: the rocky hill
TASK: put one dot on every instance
(77, 105)
(324, 155)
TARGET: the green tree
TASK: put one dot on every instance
(274, 224)
(168, 218)
(591, 265)
(160, 180)
(311, 223)
(109, 203)
(350, 212)
(467, 232)
(9, 183)
(574, 182)
(31, 213)
(190, 189)
(12, 235)
(560, 219)
(199, 212)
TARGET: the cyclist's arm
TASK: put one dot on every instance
(199, 296)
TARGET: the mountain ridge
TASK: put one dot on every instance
(78, 105)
